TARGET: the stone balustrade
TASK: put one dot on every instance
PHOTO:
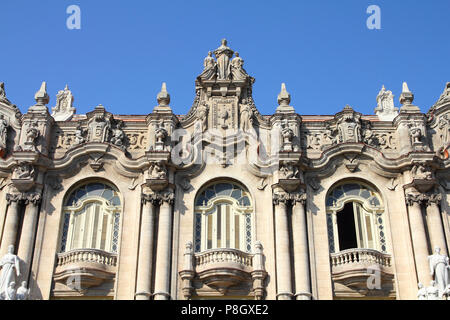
(209, 257)
(87, 256)
(90, 267)
(360, 256)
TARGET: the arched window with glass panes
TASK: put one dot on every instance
(223, 218)
(92, 218)
(355, 218)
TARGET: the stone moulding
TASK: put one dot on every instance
(92, 267)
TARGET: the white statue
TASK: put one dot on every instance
(3, 131)
(64, 109)
(433, 291)
(237, 68)
(246, 118)
(210, 70)
(223, 55)
(422, 293)
(23, 292)
(10, 265)
(386, 110)
(439, 265)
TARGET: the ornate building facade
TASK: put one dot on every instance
(224, 202)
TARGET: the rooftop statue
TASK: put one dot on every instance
(210, 70)
(223, 55)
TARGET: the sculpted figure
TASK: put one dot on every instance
(433, 291)
(202, 114)
(421, 171)
(10, 269)
(3, 131)
(79, 136)
(289, 170)
(158, 171)
(23, 171)
(422, 293)
(3, 93)
(23, 292)
(160, 134)
(444, 125)
(439, 265)
(416, 135)
(224, 115)
(237, 68)
(32, 135)
(246, 118)
(118, 136)
(210, 70)
(223, 55)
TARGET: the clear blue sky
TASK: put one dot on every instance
(321, 49)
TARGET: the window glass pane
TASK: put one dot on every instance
(245, 201)
(108, 194)
(237, 231)
(351, 189)
(219, 226)
(223, 189)
(115, 201)
(236, 194)
(210, 228)
(95, 189)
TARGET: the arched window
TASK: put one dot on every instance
(92, 218)
(223, 218)
(355, 218)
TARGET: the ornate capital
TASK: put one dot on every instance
(166, 196)
(281, 198)
(13, 197)
(434, 198)
(34, 198)
(149, 198)
(299, 198)
(414, 198)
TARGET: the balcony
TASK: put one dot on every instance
(81, 269)
(362, 273)
(222, 269)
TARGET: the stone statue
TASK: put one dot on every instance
(421, 171)
(23, 171)
(3, 131)
(288, 135)
(224, 115)
(386, 110)
(439, 266)
(246, 118)
(416, 135)
(237, 68)
(289, 170)
(444, 126)
(64, 109)
(23, 293)
(202, 115)
(10, 265)
(210, 70)
(433, 291)
(223, 55)
(369, 137)
(32, 134)
(3, 93)
(422, 293)
(158, 171)
(79, 136)
(118, 136)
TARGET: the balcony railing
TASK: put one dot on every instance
(360, 257)
(87, 256)
(91, 267)
(231, 256)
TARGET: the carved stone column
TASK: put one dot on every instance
(283, 257)
(28, 232)
(164, 246)
(300, 245)
(435, 226)
(145, 264)
(418, 235)
(11, 223)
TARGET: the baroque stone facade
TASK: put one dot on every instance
(224, 201)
